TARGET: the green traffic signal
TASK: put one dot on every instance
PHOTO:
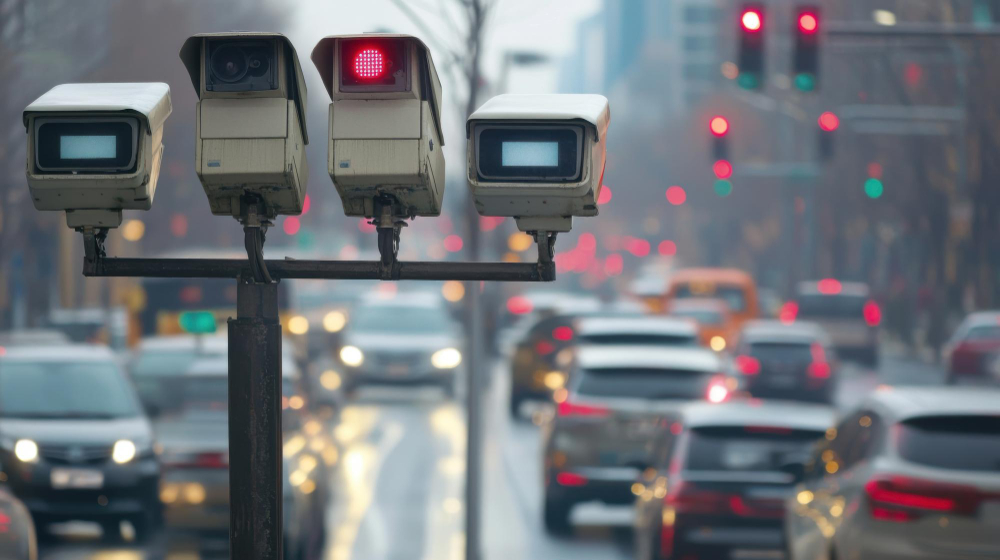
(805, 81)
(748, 80)
(873, 188)
(723, 188)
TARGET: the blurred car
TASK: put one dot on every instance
(74, 442)
(195, 455)
(18, 540)
(716, 484)
(775, 360)
(733, 286)
(845, 310)
(715, 322)
(971, 353)
(524, 311)
(33, 337)
(911, 473)
(536, 370)
(617, 401)
(157, 362)
(402, 340)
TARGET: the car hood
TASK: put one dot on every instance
(193, 432)
(394, 342)
(77, 431)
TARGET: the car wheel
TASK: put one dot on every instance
(556, 516)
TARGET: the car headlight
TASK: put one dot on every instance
(123, 451)
(447, 358)
(26, 450)
(352, 356)
(334, 321)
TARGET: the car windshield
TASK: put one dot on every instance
(820, 306)
(701, 316)
(734, 296)
(745, 448)
(55, 389)
(639, 339)
(983, 332)
(152, 363)
(642, 383)
(967, 443)
(400, 319)
(212, 391)
(781, 351)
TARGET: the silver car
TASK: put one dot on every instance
(618, 399)
(18, 540)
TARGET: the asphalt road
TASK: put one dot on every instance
(399, 487)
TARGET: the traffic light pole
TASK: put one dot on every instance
(255, 445)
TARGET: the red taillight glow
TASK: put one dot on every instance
(751, 20)
(808, 23)
(544, 347)
(829, 121)
(819, 367)
(901, 498)
(567, 408)
(563, 334)
(369, 63)
(748, 365)
(789, 311)
(717, 391)
(722, 169)
(873, 313)
(570, 479)
(719, 126)
(829, 286)
(519, 305)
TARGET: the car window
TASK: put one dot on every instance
(820, 306)
(970, 443)
(745, 448)
(400, 319)
(65, 390)
(734, 296)
(701, 316)
(983, 332)
(781, 351)
(162, 362)
(212, 391)
(644, 383)
(640, 339)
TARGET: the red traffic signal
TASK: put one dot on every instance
(722, 169)
(808, 22)
(752, 19)
(829, 121)
(719, 126)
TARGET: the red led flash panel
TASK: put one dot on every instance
(373, 65)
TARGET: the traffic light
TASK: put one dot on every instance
(751, 45)
(719, 127)
(829, 122)
(805, 60)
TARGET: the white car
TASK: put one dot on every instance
(845, 310)
(911, 474)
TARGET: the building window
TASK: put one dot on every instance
(701, 14)
(694, 43)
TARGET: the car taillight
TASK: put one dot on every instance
(872, 313)
(902, 498)
(201, 461)
(819, 367)
(789, 311)
(686, 497)
(717, 391)
(570, 479)
(563, 334)
(4, 522)
(748, 365)
(544, 347)
(567, 408)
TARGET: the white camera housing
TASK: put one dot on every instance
(385, 123)
(95, 149)
(250, 125)
(538, 158)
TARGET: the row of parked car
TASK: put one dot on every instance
(86, 434)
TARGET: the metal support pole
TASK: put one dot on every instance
(255, 473)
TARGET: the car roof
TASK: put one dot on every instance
(423, 300)
(904, 403)
(219, 366)
(647, 356)
(182, 342)
(811, 288)
(757, 412)
(717, 275)
(707, 304)
(776, 331)
(638, 324)
(33, 337)
(980, 318)
(63, 353)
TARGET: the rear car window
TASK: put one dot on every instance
(968, 443)
(643, 383)
(174, 362)
(831, 306)
(746, 448)
(637, 338)
(781, 351)
(983, 332)
(701, 316)
(734, 296)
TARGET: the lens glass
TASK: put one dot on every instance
(68, 145)
(229, 63)
(529, 153)
(241, 65)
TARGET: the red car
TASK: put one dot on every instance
(973, 348)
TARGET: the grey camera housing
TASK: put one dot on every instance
(92, 120)
(385, 140)
(557, 144)
(250, 126)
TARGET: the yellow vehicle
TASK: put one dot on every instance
(734, 287)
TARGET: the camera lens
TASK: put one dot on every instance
(229, 63)
(259, 64)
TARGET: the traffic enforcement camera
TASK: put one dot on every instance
(95, 149)
(384, 123)
(538, 158)
(250, 127)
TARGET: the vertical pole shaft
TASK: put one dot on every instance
(474, 402)
(255, 530)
